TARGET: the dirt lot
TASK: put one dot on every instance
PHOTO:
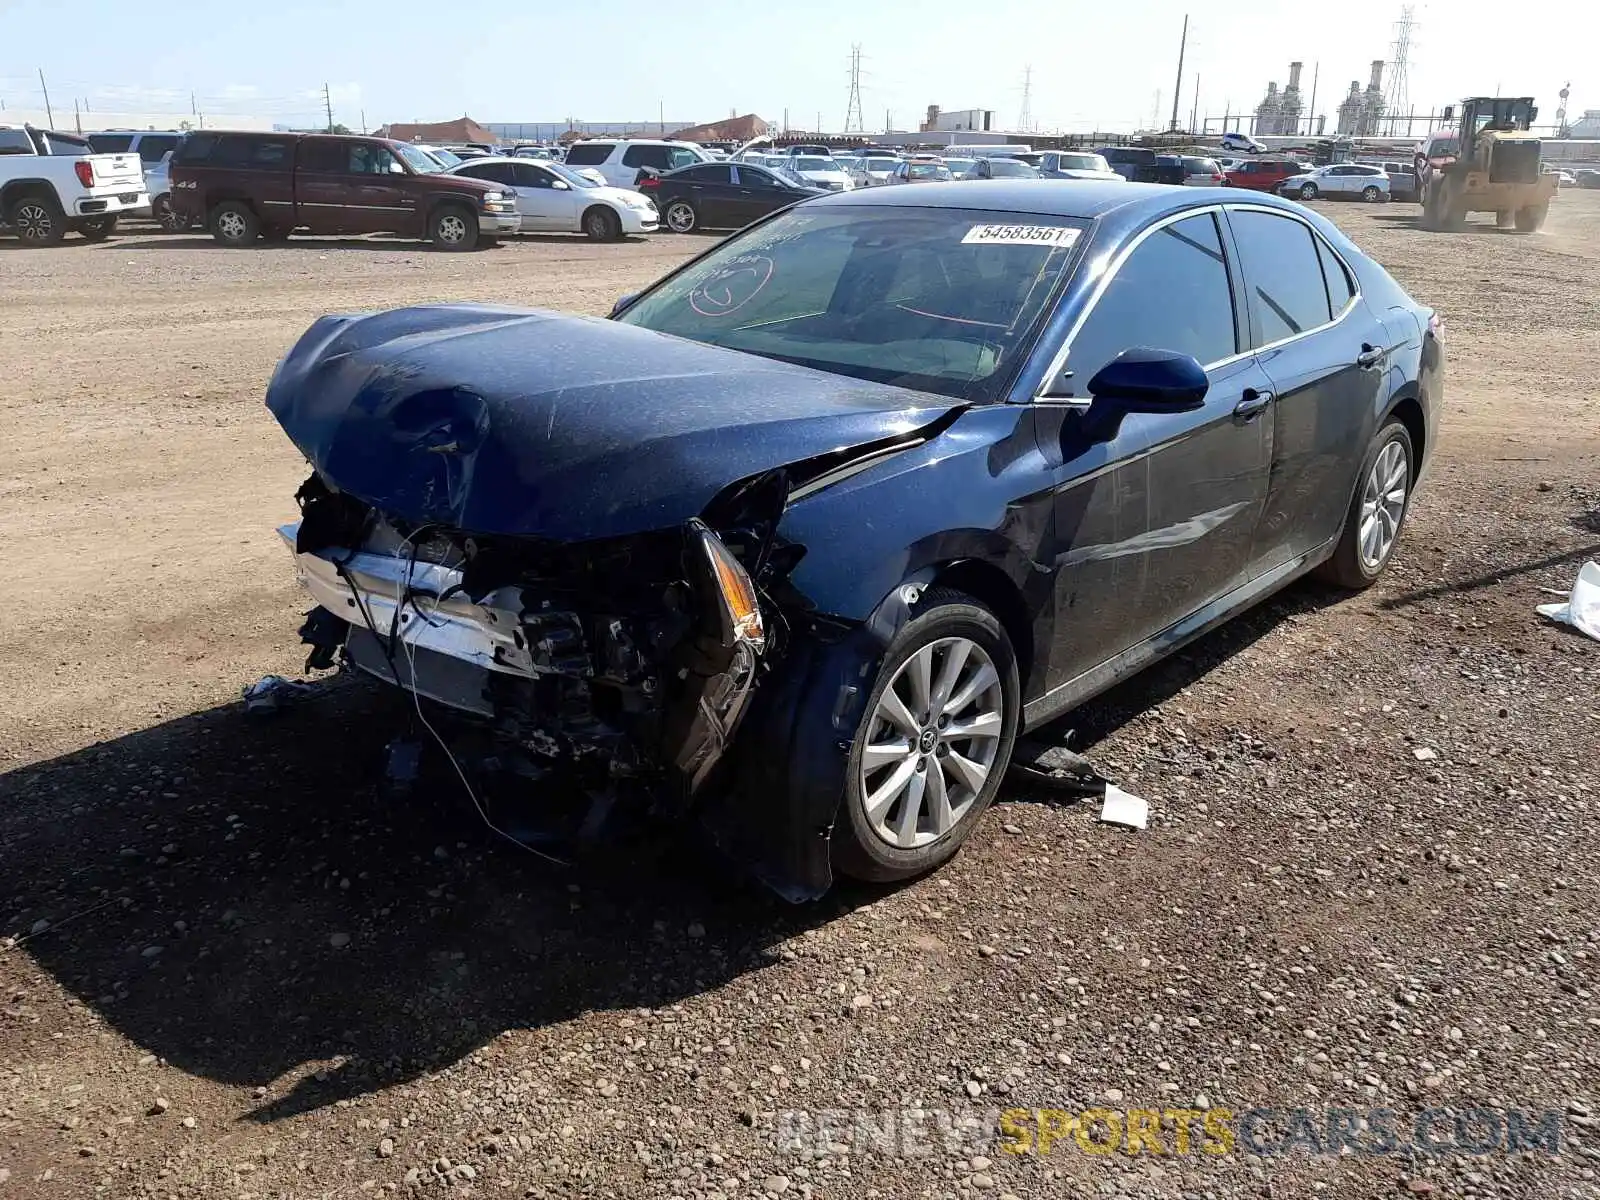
(237, 969)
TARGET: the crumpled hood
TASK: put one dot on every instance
(516, 421)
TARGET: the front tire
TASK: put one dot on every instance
(37, 220)
(1308, 191)
(602, 225)
(169, 218)
(1377, 510)
(1372, 193)
(453, 227)
(933, 744)
(1531, 219)
(234, 223)
(681, 217)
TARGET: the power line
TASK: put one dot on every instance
(854, 120)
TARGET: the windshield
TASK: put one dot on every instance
(939, 299)
(569, 174)
(882, 164)
(1083, 162)
(815, 164)
(1010, 168)
(419, 162)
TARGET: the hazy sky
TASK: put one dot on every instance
(1094, 65)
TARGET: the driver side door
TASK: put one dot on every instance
(1154, 511)
(546, 201)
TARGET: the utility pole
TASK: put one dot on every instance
(43, 87)
(1311, 113)
(77, 118)
(1194, 113)
(819, 124)
(363, 120)
(854, 119)
(888, 121)
(327, 102)
(661, 116)
(1177, 90)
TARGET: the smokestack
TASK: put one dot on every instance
(1294, 76)
(1375, 84)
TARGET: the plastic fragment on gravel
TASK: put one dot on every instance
(1582, 609)
(272, 694)
(1124, 808)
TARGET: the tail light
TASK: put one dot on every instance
(84, 170)
(649, 183)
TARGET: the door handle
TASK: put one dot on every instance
(1251, 405)
(1370, 355)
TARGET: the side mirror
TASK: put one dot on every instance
(1153, 381)
(561, 185)
(622, 303)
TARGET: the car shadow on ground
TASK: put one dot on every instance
(1414, 221)
(204, 241)
(245, 898)
(202, 877)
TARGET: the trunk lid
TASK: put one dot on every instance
(116, 172)
(539, 424)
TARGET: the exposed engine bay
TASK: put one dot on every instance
(607, 664)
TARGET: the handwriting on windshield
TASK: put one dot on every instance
(733, 285)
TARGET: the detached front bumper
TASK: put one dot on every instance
(495, 224)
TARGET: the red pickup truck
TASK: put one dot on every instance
(242, 186)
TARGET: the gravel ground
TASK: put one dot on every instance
(237, 968)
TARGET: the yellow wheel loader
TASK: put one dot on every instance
(1489, 163)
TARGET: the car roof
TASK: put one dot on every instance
(1127, 204)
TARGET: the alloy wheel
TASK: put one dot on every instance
(33, 222)
(681, 217)
(452, 229)
(231, 225)
(1383, 504)
(931, 742)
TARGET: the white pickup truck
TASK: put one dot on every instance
(52, 183)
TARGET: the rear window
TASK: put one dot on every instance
(110, 143)
(588, 154)
(1201, 166)
(939, 299)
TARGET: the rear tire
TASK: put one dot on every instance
(887, 833)
(169, 218)
(37, 220)
(453, 227)
(681, 217)
(1379, 504)
(602, 225)
(1531, 219)
(96, 229)
(234, 223)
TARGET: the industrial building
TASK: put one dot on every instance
(1278, 114)
(1361, 111)
(979, 120)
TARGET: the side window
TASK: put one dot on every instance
(153, 146)
(754, 177)
(588, 154)
(1182, 259)
(15, 141)
(645, 156)
(197, 147)
(528, 175)
(485, 171)
(1340, 290)
(1279, 257)
(322, 157)
(365, 158)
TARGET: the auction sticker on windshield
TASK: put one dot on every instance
(1022, 235)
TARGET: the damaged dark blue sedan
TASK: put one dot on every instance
(797, 541)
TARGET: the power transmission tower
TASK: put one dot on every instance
(1561, 113)
(1397, 99)
(854, 121)
(1025, 117)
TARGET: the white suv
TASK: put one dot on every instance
(620, 160)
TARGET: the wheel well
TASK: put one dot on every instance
(445, 202)
(1409, 413)
(215, 198)
(605, 208)
(18, 188)
(989, 584)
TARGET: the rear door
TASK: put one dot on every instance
(1157, 521)
(710, 188)
(758, 193)
(1325, 354)
(322, 186)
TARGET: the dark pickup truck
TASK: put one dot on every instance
(247, 185)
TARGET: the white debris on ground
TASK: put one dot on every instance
(1582, 609)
